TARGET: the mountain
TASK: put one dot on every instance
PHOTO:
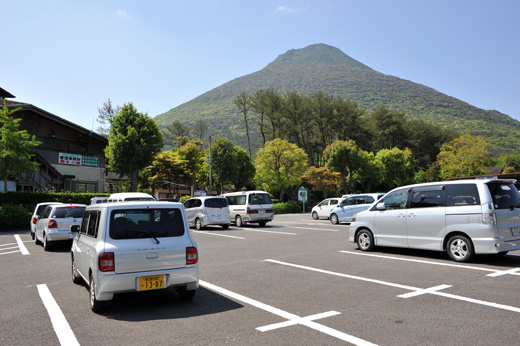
(326, 68)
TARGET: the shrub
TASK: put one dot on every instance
(14, 217)
(287, 207)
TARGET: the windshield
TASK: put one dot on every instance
(259, 198)
(146, 223)
(63, 212)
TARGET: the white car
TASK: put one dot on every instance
(54, 223)
(134, 246)
(344, 211)
(36, 215)
(323, 208)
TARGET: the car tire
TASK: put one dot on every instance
(365, 240)
(334, 219)
(262, 224)
(315, 215)
(95, 305)
(36, 241)
(75, 276)
(225, 226)
(32, 235)
(186, 294)
(46, 243)
(460, 248)
(238, 221)
(198, 224)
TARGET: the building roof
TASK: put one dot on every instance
(5, 94)
(29, 107)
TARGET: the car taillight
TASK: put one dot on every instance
(270, 211)
(106, 262)
(249, 211)
(52, 224)
(488, 214)
(192, 256)
(34, 220)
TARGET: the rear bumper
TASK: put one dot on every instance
(494, 245)
(259, 217)
(54, 235)
(108, 284)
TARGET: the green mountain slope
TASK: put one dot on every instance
(322, 67)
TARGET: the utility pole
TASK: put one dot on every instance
(210, 174)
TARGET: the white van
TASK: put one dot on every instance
(461, 217)
(250, 207)
(130, 196)
(96, 200)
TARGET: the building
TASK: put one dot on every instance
(70, 158)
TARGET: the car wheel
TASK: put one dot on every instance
(238, 221)
(315, 215)
(262, 224)
(334, 219)
(36, 241)
(32, 235)
(198, 224)
(95, 305)
(46, 243)
(75, 276)
(186, 294)
(501, 254)
(225, 226)
(460, 248)
(365, 240)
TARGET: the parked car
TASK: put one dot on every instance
(209, 210)
(134, 246)
(96, 200)
(461, 217)
(54, 223)
(323, 208)
(130, 196)
(250, 207)
(346, 209)
(36, 215)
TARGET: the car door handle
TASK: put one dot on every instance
(411, 215)
(401, 216)
(152, 255)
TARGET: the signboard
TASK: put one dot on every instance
(91, 161)
(70, 159)
(302, 194)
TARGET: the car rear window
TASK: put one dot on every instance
(65, 212)
(216, 203)
(146, 223)
(505, 196)
(259, 198)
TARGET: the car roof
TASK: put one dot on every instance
(459, 181)
(136, 205)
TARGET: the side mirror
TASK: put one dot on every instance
(381, 206)
(75, 228)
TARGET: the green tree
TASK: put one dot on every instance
(223, 162)
(244, 169)
(387, 128)
(192, 156)
(466, 155)
(344, 157)
(106, 113)
(398, 167)
(15, 146)
(243, 104)
(280, 165)
(134, 141)
(167, 169)
(176, 129)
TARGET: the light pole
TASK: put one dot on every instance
(210, 174)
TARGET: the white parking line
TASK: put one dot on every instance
(265, 231)
(416, 290)
(292, 319)
(218, 234)
(21, 245)
(514, 271)
(59, 322)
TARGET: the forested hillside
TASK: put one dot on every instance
(324, 68)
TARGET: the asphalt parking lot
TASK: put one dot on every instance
(296, 281)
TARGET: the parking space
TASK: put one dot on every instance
(294, 281)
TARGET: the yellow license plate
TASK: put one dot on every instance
(151, 282)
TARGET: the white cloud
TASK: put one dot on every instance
(121, 13)
(288, 9)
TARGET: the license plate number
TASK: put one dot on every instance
(151, 282)
(261, 211)
(515, 231)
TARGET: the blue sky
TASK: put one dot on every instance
(68, 57)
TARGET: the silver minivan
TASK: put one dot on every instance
(250, 207)
(209, 210)
(461, 217)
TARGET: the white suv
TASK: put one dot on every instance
(134, 246)
(204, 211)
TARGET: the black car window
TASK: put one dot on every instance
(505, 196)
(146, 223)
(215, 203)
(259, 198)
(462, 195)
(46, 212)
(422, 198)
(333, 202)
(92, 224)
(396, 200)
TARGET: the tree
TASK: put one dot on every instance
(166, 169)
(192, 156)
(463, 156)
(398, 167)
(243, 104)
(343, 157)
(387, 128)
(323, 180)
(280, 165)
(176, 129)
(244, 169)
(134, 141)
(223, 162)
(200, 128)
(15, 146)
(106, 113)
